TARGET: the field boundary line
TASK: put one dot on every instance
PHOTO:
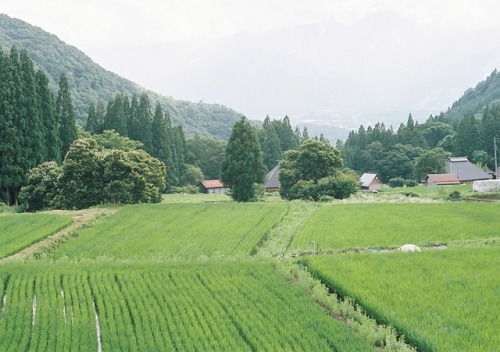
(80, 218)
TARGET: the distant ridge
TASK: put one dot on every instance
(89, 82)
(474, 100)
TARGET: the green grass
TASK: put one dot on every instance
(345, 226)
(196, 198)
(18, 231)
(214, 306)
(440, 300)
(429, 192)
(169, 231)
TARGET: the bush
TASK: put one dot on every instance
(410, 183)
(410, 194)
(396, 182)
(454, 195)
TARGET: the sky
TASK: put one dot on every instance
(335, 62)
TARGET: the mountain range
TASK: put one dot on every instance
(89, 82)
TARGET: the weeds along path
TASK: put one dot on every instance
(280, 237)
(80, 219)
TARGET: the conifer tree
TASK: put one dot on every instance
(30, 126)
(271, 148)
(66, 115)
(132, 118)
(91, 125)
(47, 108)
(242, 165)
(161, 141)
(144, 120)
(11, 173)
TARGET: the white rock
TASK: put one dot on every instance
(409, 248)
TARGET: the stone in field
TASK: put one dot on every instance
(409, 248)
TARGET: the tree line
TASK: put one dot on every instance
(415, 150)
(35, 125)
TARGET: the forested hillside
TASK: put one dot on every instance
(90, 83)
(476, 99)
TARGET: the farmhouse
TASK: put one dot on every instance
(441, 179)
(370, 182)
(213, 186)
(465, 171)
(271, 181)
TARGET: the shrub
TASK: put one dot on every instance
(454, 195)
(396, 182)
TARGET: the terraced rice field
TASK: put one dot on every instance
(184, 231)
(18, 231)
(345, 226)
(156, 307)
(440, 300)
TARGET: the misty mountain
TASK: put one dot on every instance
(89, 82)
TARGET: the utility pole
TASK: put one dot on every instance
(495, 149)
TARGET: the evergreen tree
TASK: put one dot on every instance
(160, 140)
(179, 154)
(242, 165)
(467, 139)
(132, 119)
(11, 173)
(100, 112)
(48, 116)
(144, 120)
(66, 115)
(490, 128)
(30, 126)
(92, 125)
(115, 118)
(271, 148)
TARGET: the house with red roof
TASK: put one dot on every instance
(213, 186)
(441, 180)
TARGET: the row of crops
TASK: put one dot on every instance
(18, 231)
(172, 231)
(440, 300)
(178, 307)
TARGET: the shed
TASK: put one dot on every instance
(272, 180)
(465, 171)
(370, 182)
(213, 186)
(441, 180)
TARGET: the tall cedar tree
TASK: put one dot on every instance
(115, 118)
(11, 173)
(33, 144)
(66, 115)
(162, 141)
(243, 165)
(144, 119)
(47, 108)
(92, 125)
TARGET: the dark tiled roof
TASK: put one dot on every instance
(272, 178)
(465, 170)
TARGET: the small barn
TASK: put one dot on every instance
(213, 187)
(272, 180)
(441, 180)
(466, 171)
(370, 182)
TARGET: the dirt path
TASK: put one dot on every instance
(80, 218)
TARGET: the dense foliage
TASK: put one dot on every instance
(91, 83)
(313, 171)
(135, 119)
(34, 128)
(242, 166)
(92, 175)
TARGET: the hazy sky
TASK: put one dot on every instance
(342, 62)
